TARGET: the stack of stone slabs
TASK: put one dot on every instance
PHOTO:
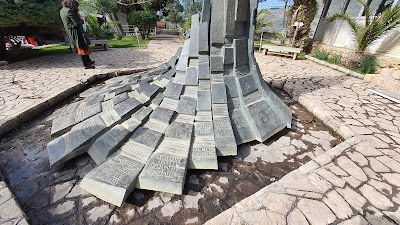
(103, 132)
(214, 99)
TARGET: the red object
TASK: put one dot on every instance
(31, 41)
(161, 25)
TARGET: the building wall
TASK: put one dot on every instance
(339, 34)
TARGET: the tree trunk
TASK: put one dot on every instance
(3, 50)
(119, 26)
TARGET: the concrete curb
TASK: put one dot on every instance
(336, 67)
(10, 206)
(50, 101)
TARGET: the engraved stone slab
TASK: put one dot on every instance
(241, 56)
(187, 105)
(128, 106)
(247, 84)
(203, 155)
(220, 110)
(203, 39)
(76, 141)
(206, 11)
(204, 116)
(228, 55)
(169, 103)
(229, 11)
(203, 101)
(194, 36)
(173, 90)
(241, 128)
(113, 180)
(217, 26)
(216, 63)
(164, 172)
(204, 70)
(218, 93)
(242, 10)
(224, 137)
(108, 143)
(190, 91)
(267, 120)
(183, 59)
(163, 115)
(191, 76)
(119, 98)
(62, 124)
(231, 87)
(148, 89)
(179, 130)
(204, 85)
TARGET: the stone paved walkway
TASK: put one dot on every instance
(37, 83)
(356, 182)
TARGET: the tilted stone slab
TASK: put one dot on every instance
(173, 90)
(218, 93)
(184, 58)
(191, 76)
(202, 154)
(229, 15)
(204, 68)
(203, 101)
(224, 138)
(115, 179)
(217, 25)
(203, 39)
(194, 37)
(62, 124)
(187, 105)
(206, 11)
(110, 141)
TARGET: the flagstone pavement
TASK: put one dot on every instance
(31, 86)
(358, 181)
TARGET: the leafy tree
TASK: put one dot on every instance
(173, 11)
(144, 20)
(192, 6)
(302, 11)
(105, 6)
(261, 20)
(28, 18)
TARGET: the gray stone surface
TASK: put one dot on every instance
(146, 129)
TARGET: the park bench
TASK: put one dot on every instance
(281, 50)
(102, 43)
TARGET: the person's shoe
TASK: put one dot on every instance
(89, 67)
(92, 62)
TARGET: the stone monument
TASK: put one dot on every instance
(145, 130)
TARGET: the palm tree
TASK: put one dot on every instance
(372, 29)
(301, 11)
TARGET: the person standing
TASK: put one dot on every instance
(73, 27)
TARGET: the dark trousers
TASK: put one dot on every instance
(86, 60)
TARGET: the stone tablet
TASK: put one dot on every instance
(163, 115)
(108, 143)
(217, 63)
(203, 39)
(187, 105)
(203, 101)
(62, 124)
(173, 90)
(241, 128)
(179, 130)
(224, 137)
(183, 59)
(203, 155)
(241, 56)
(194, 37)
(247, 84)
(228, 55)
(217, 26)
(127, 107)
(218, 93)
(204, 70)
(191, 76)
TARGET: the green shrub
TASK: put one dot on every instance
(336, 59)
(144, 20)
(321, 54)
(368, 64)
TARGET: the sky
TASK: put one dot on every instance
(272, 4)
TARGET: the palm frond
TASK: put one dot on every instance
(343, 16)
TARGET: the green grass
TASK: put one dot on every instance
(54, 49)
(126, 42)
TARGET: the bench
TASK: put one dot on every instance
(102, 43)
(281, 50)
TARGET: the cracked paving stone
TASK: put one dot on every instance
(99, 212)
(377, 166)
(296, 217)
(377, 199)
(358, 158)
(351, 168)
(262, 217)
(392, 178)
(392, 164)
(356, 200)
(61, 190)
(355, 220)
(316, 212)
(279, 203)
(374, 216)
(381, 187)
(338, 205)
